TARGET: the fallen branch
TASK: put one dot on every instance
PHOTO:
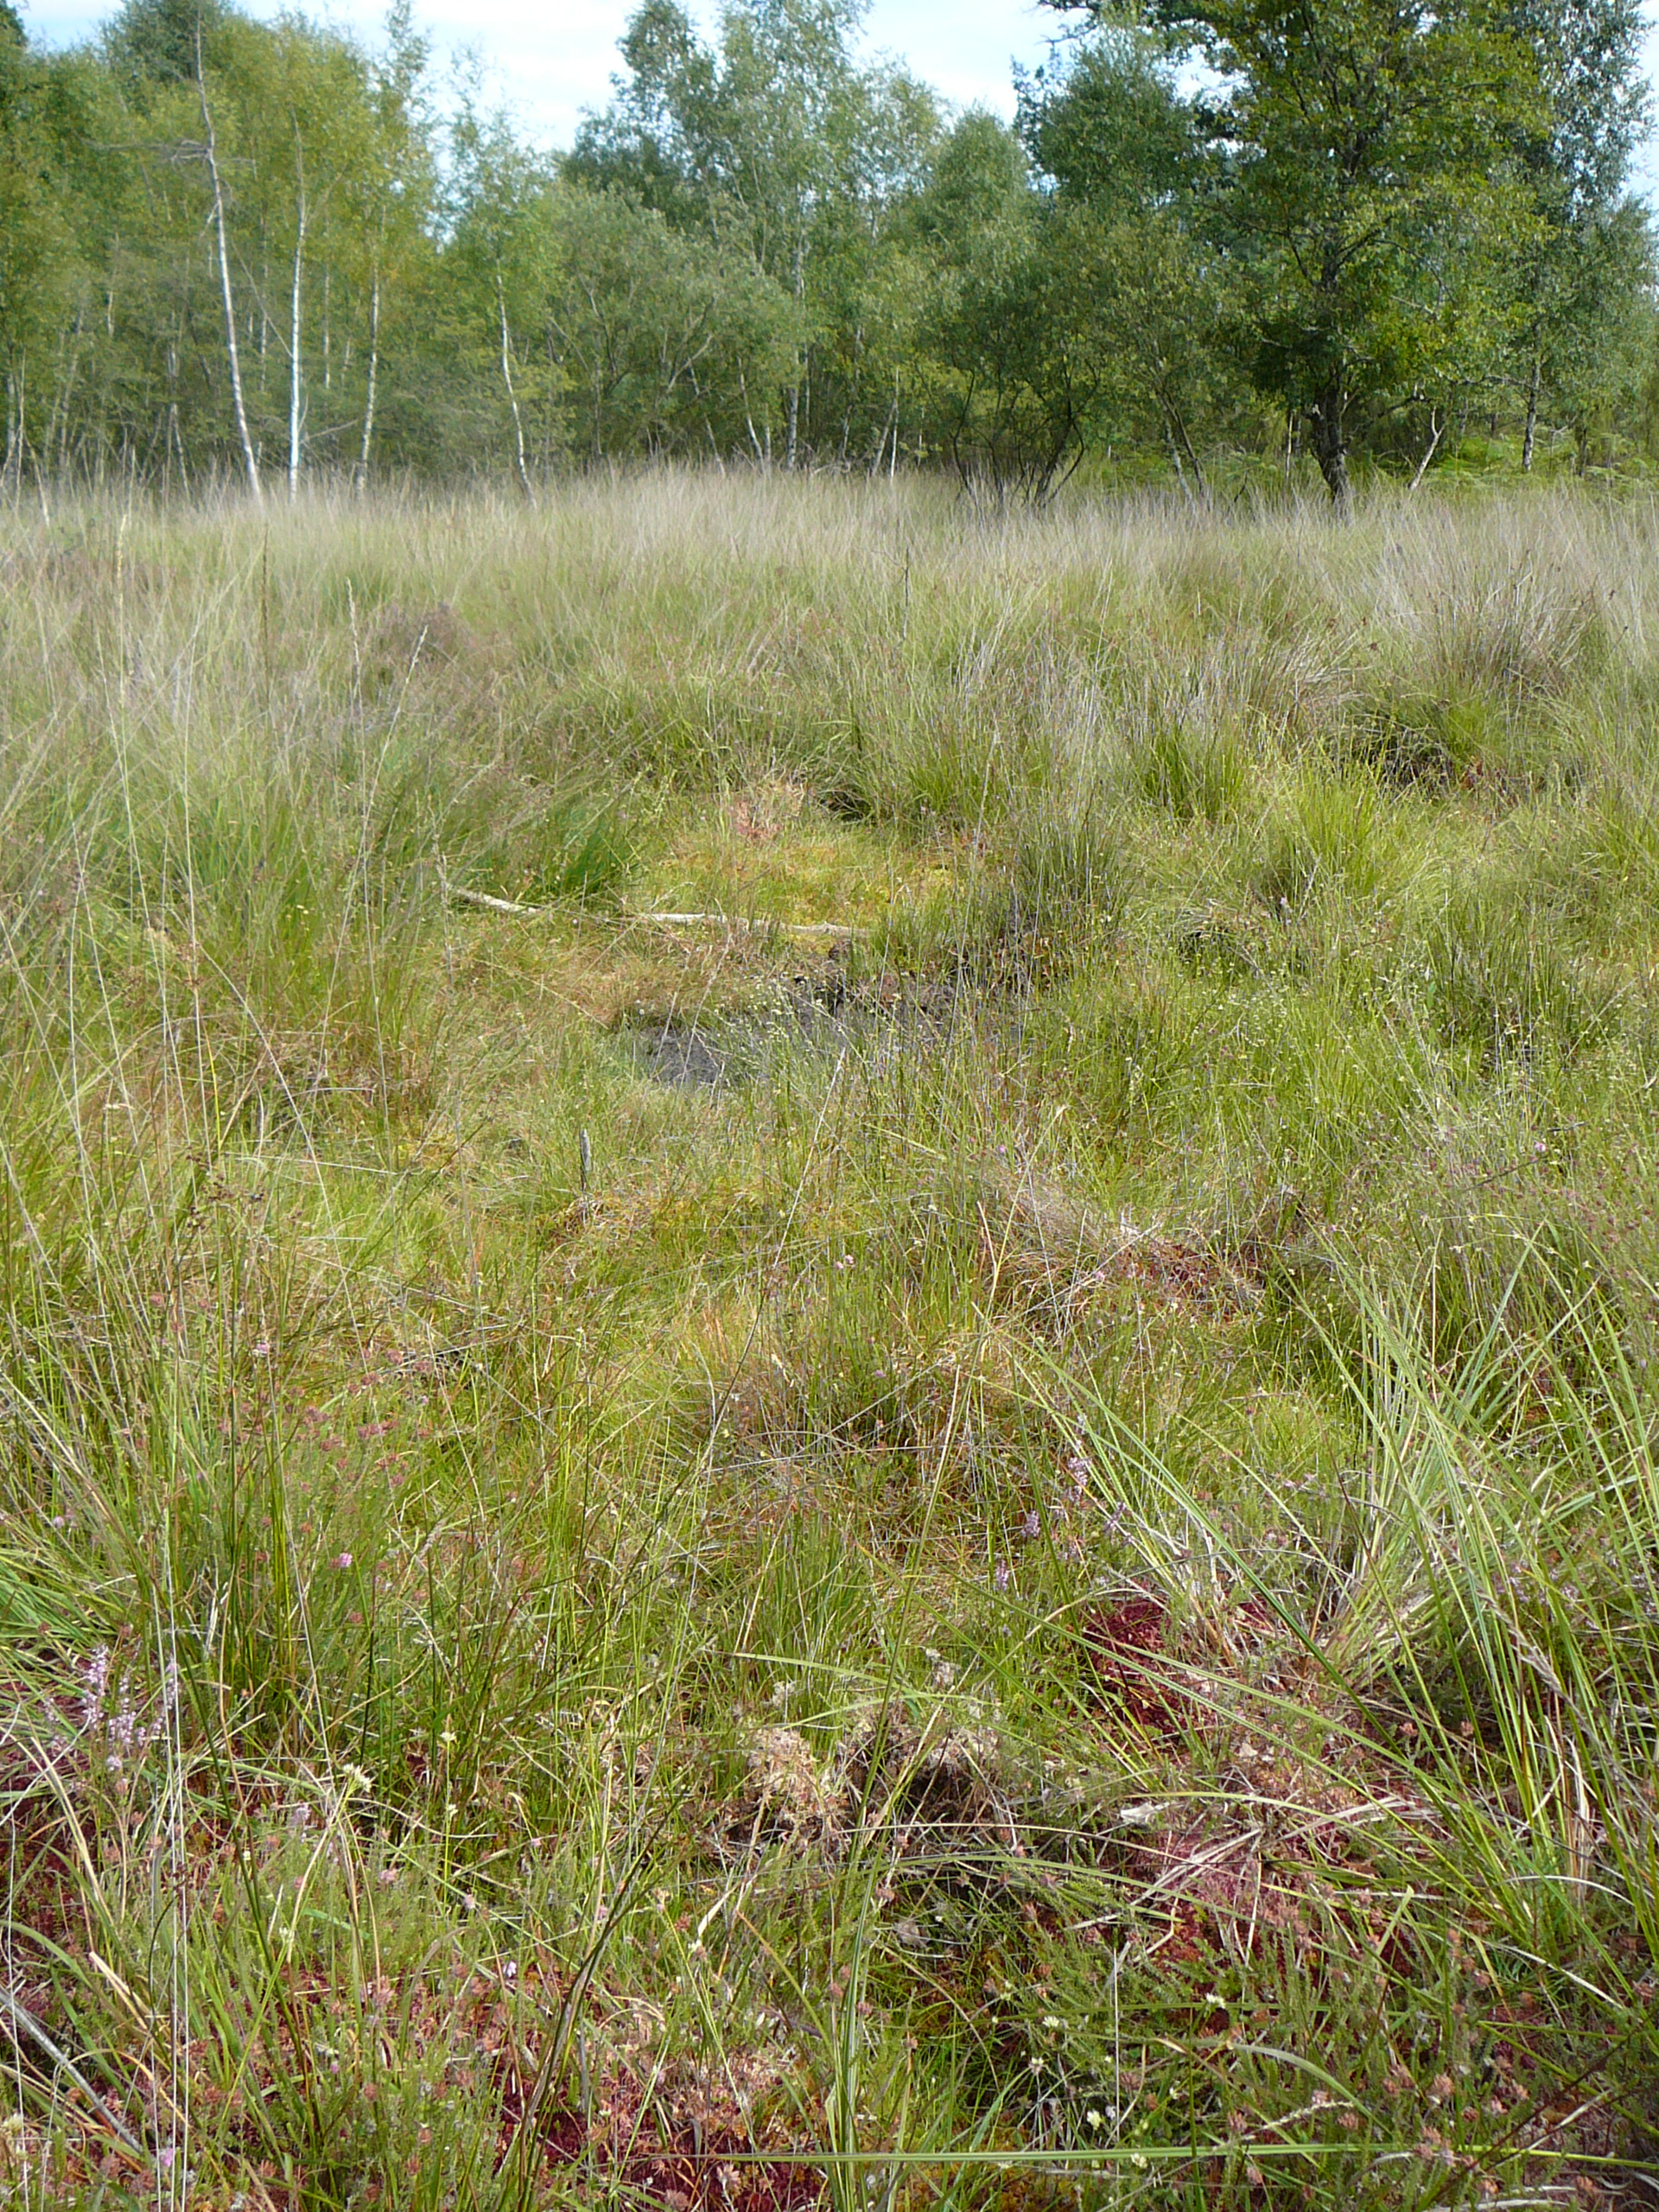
(466, 898)
(759, 926)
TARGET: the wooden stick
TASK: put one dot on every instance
(483, 899)
(734, 923)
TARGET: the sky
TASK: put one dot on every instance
(549, 60)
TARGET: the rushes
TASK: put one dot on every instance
(1046, 1582)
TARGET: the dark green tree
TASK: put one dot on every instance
(1368, 204)
(156, 41)
(1018, 371)
(1135, 184)
(666, 343)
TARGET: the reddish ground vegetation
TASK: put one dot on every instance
(684, 2142)
(1129, 1647)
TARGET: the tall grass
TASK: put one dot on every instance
(1006, 1552)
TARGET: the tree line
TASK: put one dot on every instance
(1251, 233)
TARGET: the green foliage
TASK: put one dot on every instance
(1019, 371)
(1587, 262)
(230, 247)
(659, 336)
(1365, 184)
(40, 116)
(782, 146)
(1125, 150)
(155, 42)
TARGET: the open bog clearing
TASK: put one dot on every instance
(1003, 1550)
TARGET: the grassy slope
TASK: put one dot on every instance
(1051, 1585)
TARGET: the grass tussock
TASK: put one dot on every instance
(942, 1491)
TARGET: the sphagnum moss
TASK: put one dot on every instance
(1036, 1577)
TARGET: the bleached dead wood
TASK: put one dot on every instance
(759, 926)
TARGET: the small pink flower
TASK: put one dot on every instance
(342, 1559)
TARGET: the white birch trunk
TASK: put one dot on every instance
(248, 461)
(374, 365)
(293, 333)
(512, 396)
